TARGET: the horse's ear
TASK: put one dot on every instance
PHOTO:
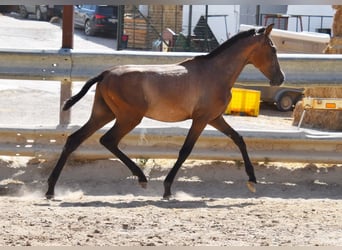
(269, 29)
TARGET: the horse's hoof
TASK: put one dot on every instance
(251, 186)
(143, 184)
(49, 196)
(166, 197)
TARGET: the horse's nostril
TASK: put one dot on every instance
(282, 79)
(282, 76)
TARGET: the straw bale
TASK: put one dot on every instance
(335, 44)
(337, 24)
(323, 92)
(320, 119)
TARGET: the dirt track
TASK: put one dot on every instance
(100, 204)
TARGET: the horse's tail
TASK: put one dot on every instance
(72, 100)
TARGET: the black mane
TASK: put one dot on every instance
(231, 41)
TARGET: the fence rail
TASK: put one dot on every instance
(280, 146)
(66, 66)
(61, 65)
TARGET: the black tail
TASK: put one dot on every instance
(72, 100)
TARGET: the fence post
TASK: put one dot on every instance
(65, 94)
(120, 27)
(68, 27)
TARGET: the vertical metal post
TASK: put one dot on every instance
(120, 24)
(176, 20)
(206, 33)
(321, 22)
(188, 39)
(257, 15)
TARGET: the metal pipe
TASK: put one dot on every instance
(271, 146)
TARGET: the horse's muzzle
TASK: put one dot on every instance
(278, 80)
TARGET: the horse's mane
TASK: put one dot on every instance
(231, 41)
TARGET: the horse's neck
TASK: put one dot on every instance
(230, 62)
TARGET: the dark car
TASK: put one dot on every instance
(96, 19)
(42, 12)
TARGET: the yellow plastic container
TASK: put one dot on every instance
(244, 102)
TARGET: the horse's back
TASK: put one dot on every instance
(170, 70)
(165, 81)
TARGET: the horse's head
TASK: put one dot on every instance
(264, 57)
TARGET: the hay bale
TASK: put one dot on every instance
(323, 92)
(335, 44)
(320, 119)
(337, 23)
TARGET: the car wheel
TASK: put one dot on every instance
(285, 103)
(23, 12)
(87, 29)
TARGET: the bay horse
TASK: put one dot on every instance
(198, 88)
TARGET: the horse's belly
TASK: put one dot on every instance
(167, 114)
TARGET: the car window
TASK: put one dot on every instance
(108, 10)
(87, 6)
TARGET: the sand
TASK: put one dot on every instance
(100, 204)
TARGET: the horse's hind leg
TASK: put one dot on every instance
(112, 138)
(221, 125)
(100, 116)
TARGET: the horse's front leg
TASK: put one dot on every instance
(193, 134)
(221, 125)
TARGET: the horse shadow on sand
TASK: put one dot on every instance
(196, 184)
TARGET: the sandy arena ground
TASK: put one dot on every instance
(100, 204)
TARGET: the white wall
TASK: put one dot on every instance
(221, 30)
(315, 22)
